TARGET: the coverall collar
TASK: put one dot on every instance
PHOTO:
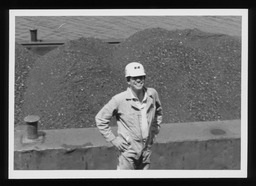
(130, 96)
(135, 98)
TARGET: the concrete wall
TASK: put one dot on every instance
(190, 146)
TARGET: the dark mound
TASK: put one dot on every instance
(24, 61)
(197, 74)
(69, 85)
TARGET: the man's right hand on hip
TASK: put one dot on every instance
(120, 144)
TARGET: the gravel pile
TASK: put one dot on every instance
(69, 85)
(24, 61)
(197, 75)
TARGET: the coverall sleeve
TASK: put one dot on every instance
(158, 115)
(103, 119)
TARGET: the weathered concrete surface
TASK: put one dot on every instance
(178, 146)
(198, 155)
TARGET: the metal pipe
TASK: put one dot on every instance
(33, 35)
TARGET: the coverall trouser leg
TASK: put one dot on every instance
(131, 163)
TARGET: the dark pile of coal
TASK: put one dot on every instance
(197, 74)
(69, 85)
(24, 61)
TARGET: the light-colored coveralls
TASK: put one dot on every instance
(129, 117)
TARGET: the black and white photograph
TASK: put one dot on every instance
(128, 93)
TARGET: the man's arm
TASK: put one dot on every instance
(158, 115)
(103, 119)
(159, 110)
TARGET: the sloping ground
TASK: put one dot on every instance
(24, 61)
(70, 84)
(196, 74)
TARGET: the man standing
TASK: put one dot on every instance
(138, 113)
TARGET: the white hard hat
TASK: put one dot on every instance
(134, 69)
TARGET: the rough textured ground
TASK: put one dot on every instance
(196, 74)
(24, 61)
(69, 85)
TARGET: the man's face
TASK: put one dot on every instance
(137, 82)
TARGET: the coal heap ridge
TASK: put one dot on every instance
(24, 61)
(70, 84)
(197, 75)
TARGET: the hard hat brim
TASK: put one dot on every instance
(135, 75)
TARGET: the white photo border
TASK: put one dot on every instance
(73, 174)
